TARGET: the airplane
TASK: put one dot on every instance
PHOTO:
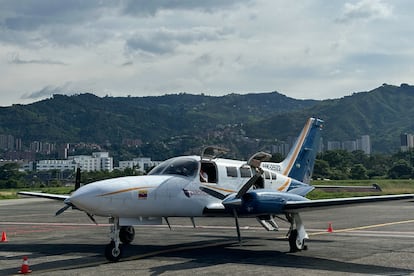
(209, 186)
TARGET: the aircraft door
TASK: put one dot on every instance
(208, 172)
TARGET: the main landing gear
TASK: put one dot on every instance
(124, 234)
(297, 233)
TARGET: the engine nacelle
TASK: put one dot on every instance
(262, 202)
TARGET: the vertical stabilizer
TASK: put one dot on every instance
(301, 158)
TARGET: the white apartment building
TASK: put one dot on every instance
(142, 164)
(61, 165)
(99, 161)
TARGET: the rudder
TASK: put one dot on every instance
(300, 161)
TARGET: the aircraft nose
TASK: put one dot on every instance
(84, 199)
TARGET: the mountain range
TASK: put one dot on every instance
(383, 113)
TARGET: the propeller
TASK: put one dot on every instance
(61, 210)
(234, 200)
(67, 202)
(78, 179)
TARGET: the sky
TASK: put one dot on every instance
(308, 49)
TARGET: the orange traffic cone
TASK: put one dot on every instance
(25, 266)
(330, 229)
(4, 237)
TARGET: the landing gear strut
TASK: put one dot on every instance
(297, 233)
(113, 250)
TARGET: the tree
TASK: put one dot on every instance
(358, 171)
(321, 169)
(400, 169)
(10, 177)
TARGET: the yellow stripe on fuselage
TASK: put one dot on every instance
(220, 189)
(125, 190)
(285, 185)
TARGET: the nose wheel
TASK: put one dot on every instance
(113, 251)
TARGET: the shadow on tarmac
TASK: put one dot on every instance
(194, 254)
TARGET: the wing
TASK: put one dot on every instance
(44, 195)
(300, 206)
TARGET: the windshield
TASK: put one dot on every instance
(178, 166)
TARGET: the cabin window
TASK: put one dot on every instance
(231, 171)
(245, 172)
(177, 166)
(267, 175)
(274, 176)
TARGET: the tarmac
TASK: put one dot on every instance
(370, 239)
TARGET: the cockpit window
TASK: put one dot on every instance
(177, 166)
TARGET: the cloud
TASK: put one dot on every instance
(27, 15)
(365, 10)
(151, 8)
(47, 91)
(15, 59)
(164, 41)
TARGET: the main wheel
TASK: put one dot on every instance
(294, 244)
(111, 253)
(126, 234)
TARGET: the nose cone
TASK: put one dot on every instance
(85, 198)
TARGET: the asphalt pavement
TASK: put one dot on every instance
(372, 239)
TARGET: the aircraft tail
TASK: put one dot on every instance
(301, 158)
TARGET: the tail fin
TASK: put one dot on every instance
(301, 158)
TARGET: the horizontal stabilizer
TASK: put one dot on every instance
(331, 188)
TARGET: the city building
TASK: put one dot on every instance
(98, 161)
(141, 164)
(363, 143)
(407, 141)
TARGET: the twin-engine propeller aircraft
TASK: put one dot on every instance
(200, 186)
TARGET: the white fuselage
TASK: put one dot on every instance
(173, 191)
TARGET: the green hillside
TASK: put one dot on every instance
(89, 118)
(174, 124)
(383, 113)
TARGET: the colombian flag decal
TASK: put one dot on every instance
(142, 194)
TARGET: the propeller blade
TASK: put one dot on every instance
(92, 218)
(236, 219)
(77, 179)
(60, 211)
(168, 222)
(248, 185)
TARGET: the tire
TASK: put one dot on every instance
(292, 241)
(126, 234)
(111, 254)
